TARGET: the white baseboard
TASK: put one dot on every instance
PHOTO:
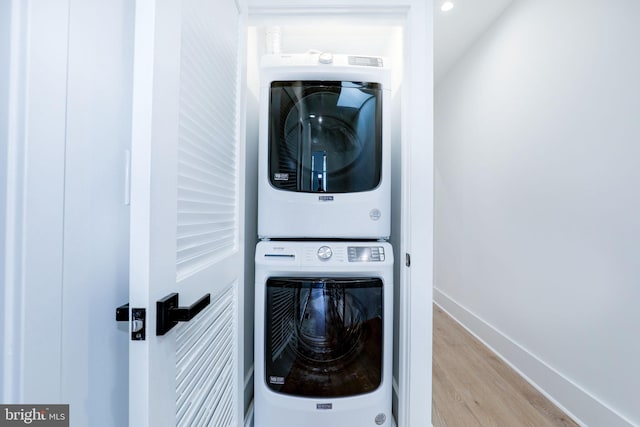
(576, 402)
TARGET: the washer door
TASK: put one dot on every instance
(325, 136)
(323, 337)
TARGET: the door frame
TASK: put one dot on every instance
(416, 223)
(33, 195)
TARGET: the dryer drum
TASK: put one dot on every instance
(325, 136)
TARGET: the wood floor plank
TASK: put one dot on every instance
(473, 387)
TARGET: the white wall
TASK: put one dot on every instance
(537, 208)
(66, 223)
(96, 220)
(5, 26)
(251, 215)
(32, 276)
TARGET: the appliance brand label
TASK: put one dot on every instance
(380, 419)
(276, 380)
(325, 198)
(281, 176)
(324, 406)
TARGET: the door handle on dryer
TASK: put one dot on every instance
(168, 313)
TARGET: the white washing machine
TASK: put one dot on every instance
(323, 334)
(324, 155)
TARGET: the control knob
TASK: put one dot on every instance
(324, 253)
(325, 58)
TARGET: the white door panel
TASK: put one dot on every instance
(186, 210)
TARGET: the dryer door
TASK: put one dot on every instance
(325, 136)
(323, 337)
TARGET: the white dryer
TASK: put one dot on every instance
(323, 334)
(324, 155)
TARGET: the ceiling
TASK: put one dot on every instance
(455, 31)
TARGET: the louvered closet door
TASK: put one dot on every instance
(186, 211)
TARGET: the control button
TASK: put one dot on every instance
(325, 58)
(324, 252)
(353, 254)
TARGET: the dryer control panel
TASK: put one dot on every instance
(365, 253)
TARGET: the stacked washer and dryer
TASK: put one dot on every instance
(324, 268)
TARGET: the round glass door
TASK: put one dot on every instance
(323, 336)
(325, 136)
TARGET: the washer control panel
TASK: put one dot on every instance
(365, 253)
(339, 255)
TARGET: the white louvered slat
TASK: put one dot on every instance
(207, 156)
(205, 365)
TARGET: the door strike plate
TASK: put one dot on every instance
(138, 324)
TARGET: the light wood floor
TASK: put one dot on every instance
(473, 387)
